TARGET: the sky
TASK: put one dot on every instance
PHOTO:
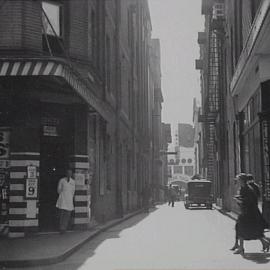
(177, 23)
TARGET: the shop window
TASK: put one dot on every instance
(52, 27)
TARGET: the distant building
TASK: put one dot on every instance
(183, 164)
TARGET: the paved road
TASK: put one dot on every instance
(167, 238)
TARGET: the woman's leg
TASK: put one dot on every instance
(236, 245)
(265, 244)
(240, 249)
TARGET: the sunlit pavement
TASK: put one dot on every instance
(167, 238)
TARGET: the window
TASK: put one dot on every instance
(178, 169)
(52, 27)
(189, 170)
(93, 35)
(254, 5)
(108, 63)
(52, 19)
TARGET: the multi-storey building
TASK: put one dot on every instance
(198, 139)
(248, 91)
(166, 139)
(212, 116)
(244, 81)
(74, 88)
(182, 166)
(155, 102)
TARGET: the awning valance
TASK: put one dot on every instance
(47, 67)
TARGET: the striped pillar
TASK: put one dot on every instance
(80, 166)
(23, 214)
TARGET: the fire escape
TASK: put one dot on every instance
(211, 94)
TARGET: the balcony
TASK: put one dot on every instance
(207, 7)
(199, 64)
(201, 38)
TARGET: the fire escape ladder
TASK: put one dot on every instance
(213, 100)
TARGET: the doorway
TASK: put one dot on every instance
(53, 162)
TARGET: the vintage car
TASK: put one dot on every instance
(199, 193)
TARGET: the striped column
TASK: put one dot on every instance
(23, 214)
(80, 166)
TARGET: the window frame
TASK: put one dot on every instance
(61, 17)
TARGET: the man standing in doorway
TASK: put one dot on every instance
(66, 190)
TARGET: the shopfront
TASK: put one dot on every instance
(255, 142)
(43, 130)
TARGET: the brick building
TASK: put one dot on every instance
(242, 79)
(73, 88)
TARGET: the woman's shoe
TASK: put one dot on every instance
(266, 246)
(234, 247)
(239, 251)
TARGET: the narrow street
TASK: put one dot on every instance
(167, 238)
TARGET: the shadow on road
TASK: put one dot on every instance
(199, 208)
(259, 258)
(88, 250)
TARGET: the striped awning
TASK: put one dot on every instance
(45, 67)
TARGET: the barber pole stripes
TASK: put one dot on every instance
(30, 68)
(18, 210)
(82, 198)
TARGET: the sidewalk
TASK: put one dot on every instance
(229, 214)
(233, 216)
(49, 248)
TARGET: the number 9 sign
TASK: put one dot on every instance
(31, 188)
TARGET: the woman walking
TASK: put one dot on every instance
(250, 225)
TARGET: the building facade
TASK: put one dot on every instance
(213, 118)
(243, 100)
(182, 165)
(198, 140)
(248, 91)
(74, 88)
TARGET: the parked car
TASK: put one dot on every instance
(199, 193)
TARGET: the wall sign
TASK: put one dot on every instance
(50, 131)
(50, 126)
(31, 188)
(4, 144)
(31, 172)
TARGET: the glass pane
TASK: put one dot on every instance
(53, 13)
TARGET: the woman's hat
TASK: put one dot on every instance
(242, 176)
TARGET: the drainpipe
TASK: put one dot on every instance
(119, 200)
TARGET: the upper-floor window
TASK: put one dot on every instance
(254, 7)
(52, 27)
(52, 18)
(108, 63)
